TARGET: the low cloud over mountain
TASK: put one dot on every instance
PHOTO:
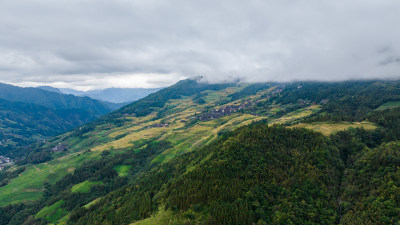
(98, 44)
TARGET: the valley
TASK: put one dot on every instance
(29, 115)
(174, 155)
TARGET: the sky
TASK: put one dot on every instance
(95, 44)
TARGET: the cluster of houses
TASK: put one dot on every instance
(227, 110)
(224, 111)
(273, 93)
(160, 125)
(129, 114)
(306, 102)
(59, 148)
(324, 101)
(5, 140)
(277, 91)
(5, 161)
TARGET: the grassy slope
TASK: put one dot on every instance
(29, 185)
(52, 213)
(330, 128)
(122, 170)
(389, 105)
(162, 216)
(84, 187)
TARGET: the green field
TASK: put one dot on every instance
(28, 186)
(330, 128)
(85, 186)
(389, 105)
(92, 203)
(122, 170)
(162, 217)
(52, 213)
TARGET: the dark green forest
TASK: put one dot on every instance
(266, 175)
(24, 123)
(346, 101)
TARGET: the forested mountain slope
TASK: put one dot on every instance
(23, 123)
(257, 173)
(113, 105)
(220, 154)
(51, 100)
(29, 115)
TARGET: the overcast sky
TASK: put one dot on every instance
(89, 44)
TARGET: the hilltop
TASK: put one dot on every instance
(274, 153)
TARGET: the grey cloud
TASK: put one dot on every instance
(84, 42)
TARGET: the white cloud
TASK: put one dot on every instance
(85, 82)
(95, 44)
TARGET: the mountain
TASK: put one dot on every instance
(29, 115)
(110, 105)
(52, 89)
(69, 91)
(23, 123)
(113, 106)
(192, 153)
(114, 95)
(49, 99)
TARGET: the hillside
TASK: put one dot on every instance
(109, 104)
(48, 88)
(22, 124)
(220, 154)
(50, 99)
(29, 115)
(273, 179)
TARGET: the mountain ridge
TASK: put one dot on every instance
(31, 114)
(114, 95)
(49, 99)
(221, 154)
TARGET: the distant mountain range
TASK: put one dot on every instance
(52, 89)
(31, 114)
(51, 100)
(113, 95)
